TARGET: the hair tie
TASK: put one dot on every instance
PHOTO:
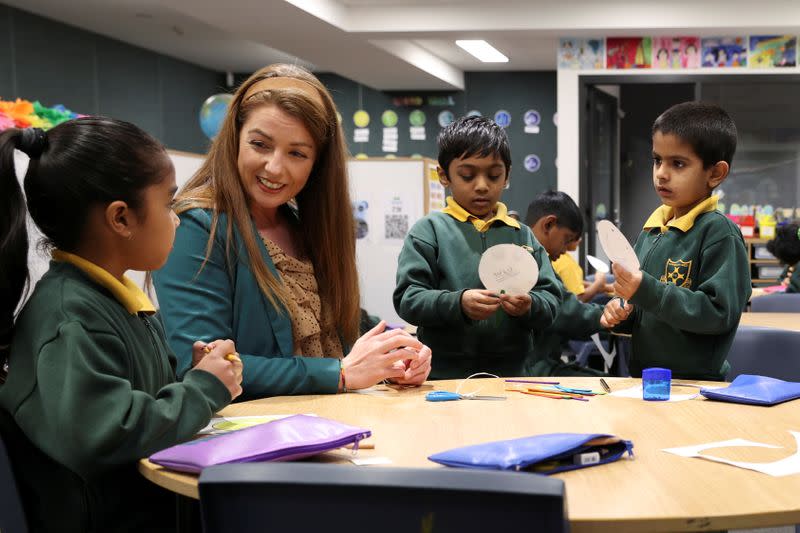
(33, 142)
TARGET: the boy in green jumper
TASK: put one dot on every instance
(694, 280)
(557, 222)
(471, 329)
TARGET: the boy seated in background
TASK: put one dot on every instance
(571, 274)
(469, 328)
(694, 282)
(557, 224)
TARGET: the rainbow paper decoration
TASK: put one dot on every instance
(25, 114)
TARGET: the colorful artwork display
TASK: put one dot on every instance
(580, 53)
(755, 51)
(25, 114)
(676, 52)
(773, 51)
(725, 52)
(628, 52)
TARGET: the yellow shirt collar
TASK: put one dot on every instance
(662, 217)
(462, 215)
(132, 298)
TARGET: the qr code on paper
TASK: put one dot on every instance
(396, 226)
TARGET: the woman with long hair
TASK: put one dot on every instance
(265, 253)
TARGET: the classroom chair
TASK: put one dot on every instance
(768, 352)
(776, 303)
(12, 517)
(312, 497)
(616, 344)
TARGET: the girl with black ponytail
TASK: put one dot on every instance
(89, 379)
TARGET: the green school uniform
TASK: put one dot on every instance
(91, 390)
(695, 285)
(438, 262)
(575, 321)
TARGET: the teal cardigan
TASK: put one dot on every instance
(223, 301)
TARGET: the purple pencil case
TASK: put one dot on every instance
(290, 438)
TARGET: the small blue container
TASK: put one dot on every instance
(656, 384)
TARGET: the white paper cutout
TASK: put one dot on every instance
(616, 246)
(598, 264)
(782, 467)
(509, 268)
(367, 461)
(636, 392)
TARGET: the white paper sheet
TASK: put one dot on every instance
(367, 461)
(782, 467)
(509, 268)
(636, 392)
(598, 264)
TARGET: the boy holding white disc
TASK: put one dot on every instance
(688, 294)
(469, 326)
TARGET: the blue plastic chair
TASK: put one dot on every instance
(765, 352)
(776, 303)
(314, 497)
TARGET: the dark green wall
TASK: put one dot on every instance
(487, 92)
(45, 60)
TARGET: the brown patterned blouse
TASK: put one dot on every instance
(312, 329)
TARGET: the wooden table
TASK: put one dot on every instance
(656, 491)
(789, 321)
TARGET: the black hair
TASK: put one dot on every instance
(566, 211)
(470, 137)
(707, 128)
(786, 244)
(73, 167)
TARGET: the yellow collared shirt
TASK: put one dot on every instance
(132, 298)
(662, 217)
(462, 215)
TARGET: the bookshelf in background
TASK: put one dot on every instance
(764, 268)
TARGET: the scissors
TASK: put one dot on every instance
(445, 396)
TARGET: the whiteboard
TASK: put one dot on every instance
(186, 164)
(388, 198)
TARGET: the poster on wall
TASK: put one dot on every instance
(389, 119)
(436, 191)
(628, 52)
(360, 208)
(676, 52)
(416, 130)
(773, 51)
(724, 52)
(578, 53)
(395, 217)
(361, 131)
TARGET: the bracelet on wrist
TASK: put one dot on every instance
(341, 376)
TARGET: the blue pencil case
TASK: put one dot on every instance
(544, 454)
(755, 390)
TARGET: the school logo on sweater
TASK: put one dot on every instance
(677, 273)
